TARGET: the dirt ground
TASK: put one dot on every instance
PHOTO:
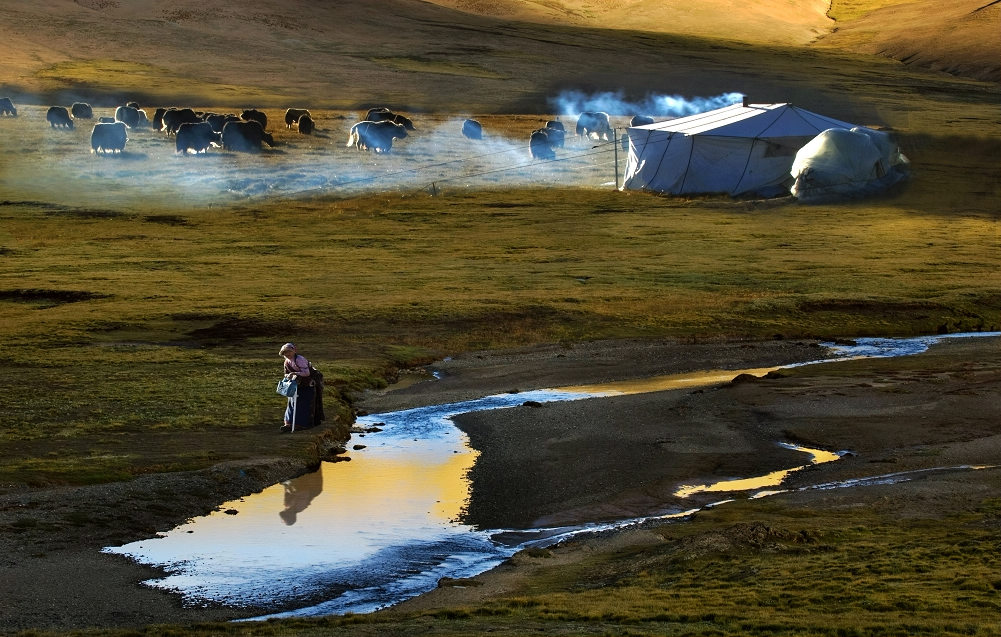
(590, 459)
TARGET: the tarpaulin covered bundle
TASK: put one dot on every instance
(840, 163)
(739, 149)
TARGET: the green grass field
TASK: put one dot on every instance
(143, 299)
(135, 288)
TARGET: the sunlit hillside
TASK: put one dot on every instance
(763, 21)
(505, 56)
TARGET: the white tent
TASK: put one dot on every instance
(739, 149)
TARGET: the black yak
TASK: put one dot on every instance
(539, 144)
(128, 115)
(59, 117)
(383, 114)
(196, 136)
(255, 115)
(306, 125)
(292, 116)
(82, 110)
(108, 138)
(174, 117)
(245, 136)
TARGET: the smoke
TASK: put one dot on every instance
(574, 102)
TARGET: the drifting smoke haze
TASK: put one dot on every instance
(572, 103)
(435, 157)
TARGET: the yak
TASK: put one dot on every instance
(174, 117)
(128, 115)
(217, 121)
(255, 115)
(245, 136)
(108, 137)
(196, 136)
(59, 117)
(377, 136)
(82, 110)
(594, 123)
(472, 129)
(383, 114)
(306, 125)
(158, 118)
(556, 134)
(641, 120)
(7, 107)
(292, 116)
(539, 144)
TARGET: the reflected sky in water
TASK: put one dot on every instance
(357, 536)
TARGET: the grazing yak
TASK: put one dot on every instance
(174, 117)
(217, 121)
(292, 116)
(82, 110)
(472, 129)
(7, 107)
(306, 125)
(641, 120)
(245, 136)
(196, 136)
(594, 123)
(383, 114)
(128, 115)
(377, 136)
(158, 118)
(59, 117)
(131, 116)
(108, 138)
(539, 144)
(252, 114)
(556, 133)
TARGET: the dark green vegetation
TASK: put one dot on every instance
(143, 300)
(140, 329)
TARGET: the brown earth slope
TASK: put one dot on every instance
(956, 37)
(424, 56)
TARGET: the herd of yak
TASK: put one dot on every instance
(197, 131)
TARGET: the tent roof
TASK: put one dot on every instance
(752, 120)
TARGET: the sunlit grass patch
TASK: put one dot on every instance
(443, 66)
(140, 80)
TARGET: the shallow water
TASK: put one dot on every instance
(361, 535)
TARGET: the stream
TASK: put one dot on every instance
(354, 537)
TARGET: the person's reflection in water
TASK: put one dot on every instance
(299, 493)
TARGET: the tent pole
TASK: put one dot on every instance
(615, 146)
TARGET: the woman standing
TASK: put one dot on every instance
(299, 411)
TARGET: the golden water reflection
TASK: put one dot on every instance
(760, 482)
(667, 382)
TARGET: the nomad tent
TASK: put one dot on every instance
(739, 149)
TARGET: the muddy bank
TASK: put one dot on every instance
(625, 456)
(53, 576)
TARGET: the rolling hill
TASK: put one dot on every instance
(502, 56)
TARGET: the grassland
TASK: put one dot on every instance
(165, 306)
(143, 297)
